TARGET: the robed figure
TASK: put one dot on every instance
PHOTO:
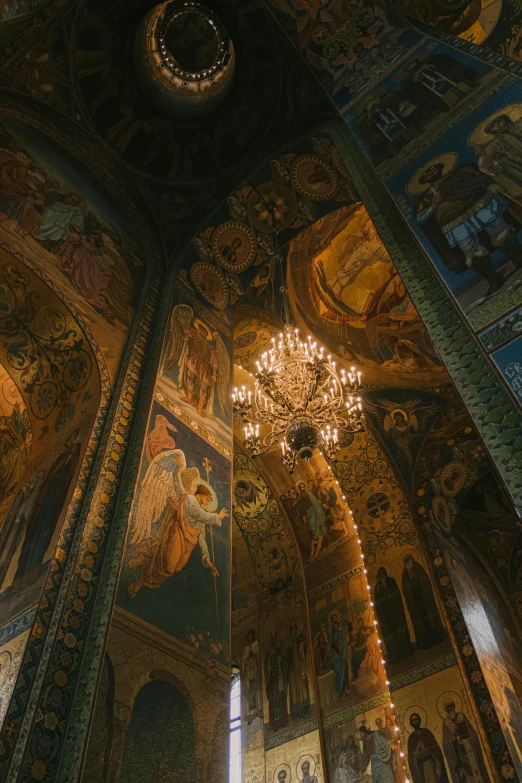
(424, 754)
(338, 648)
(276, 683)
(349, 763)
(16, 520)
(425, 618)
(49, 504)
(392, 618)
(462, 747)
(251, 678)
(297, 674)
(171, 519)
(377, 749)
(463, 218)
(311, 512)
(202, 359)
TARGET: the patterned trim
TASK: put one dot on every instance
(338, 579)
(17, 625)
(494, 413)
(479, 52)
(194, 425)
(424, 671)
(291, 734)
(356, 709)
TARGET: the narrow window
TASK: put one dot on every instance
(234, 765)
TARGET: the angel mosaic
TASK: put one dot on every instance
(203, 362)
(175, 507)
(403, 423)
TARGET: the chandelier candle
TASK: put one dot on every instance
(303, 400)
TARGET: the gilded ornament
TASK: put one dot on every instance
(210, 283)
(313, 178)
(269, 204)
(234, 246)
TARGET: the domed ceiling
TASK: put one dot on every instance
(270, 96)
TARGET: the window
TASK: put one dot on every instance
(234, 756)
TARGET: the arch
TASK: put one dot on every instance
(160, 740)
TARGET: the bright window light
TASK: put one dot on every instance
(234, 756)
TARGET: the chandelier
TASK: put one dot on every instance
(301, 397)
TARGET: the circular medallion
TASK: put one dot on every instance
(313, 178)
(345, 438)
(442, 513)
(377, 505)
(210, 283)
(234, 246)
(453, 477)
(270, 206)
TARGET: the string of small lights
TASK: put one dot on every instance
(376, 624)
(372, 608)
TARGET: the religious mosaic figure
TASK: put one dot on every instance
(393, 625)
(377, 749)
(322, 656)
(502, 156)
(306, 777)
(348, 768)
(338, 652)
(92, 256)
(418, 593)
(171, 519)
(17, 519)
(311, 512)
(48, 506)
(298, 691)
(439, 79)
(202, 360)
(358, 643)
(276, 683)
(13, 431)
(463, 217)
(251, 678)
(424, 754)
(158, 438)
(461, 747)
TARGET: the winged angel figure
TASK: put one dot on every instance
(174, 507)
(403, 424)
(203, 361)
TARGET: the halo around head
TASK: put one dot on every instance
(405, 71)
(415, 708)
(416, 556)
(480, 136)
(444, 698)
(278, 770)
(198, 322)
(311, 761)
(190, 478)
(448, 161)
